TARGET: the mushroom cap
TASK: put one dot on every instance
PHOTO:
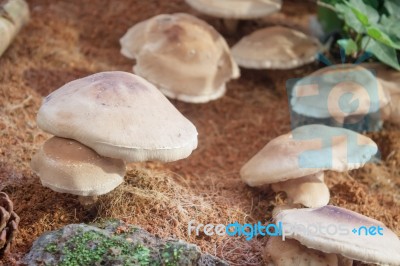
(67, 166)
(390, 81)
(276, 48)
(310, 191)
(236, 9)
(183, 55)
(119, 115)
(380, 249)
(291, 252)
(308, 150)
(320, 94)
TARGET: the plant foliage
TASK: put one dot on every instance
(367, 26)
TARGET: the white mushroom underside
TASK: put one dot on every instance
(238, 9)
(218, 93)
(273, 64)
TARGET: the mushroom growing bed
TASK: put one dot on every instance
(67, 40)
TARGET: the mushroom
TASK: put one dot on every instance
(183, 56)
(294, 162)
(337, 230)
(239, 9)
(118, 115)
(276, 48)
(390, 81)
(67, 166)
(341, 95)
(13, 15)
(291, 252)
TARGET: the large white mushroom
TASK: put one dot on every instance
(335, 230)
(119, 115)
(294, 162)
(183, 56)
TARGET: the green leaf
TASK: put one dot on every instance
(329, 20)
(376, 33)
(373, 3)
(366, 14)
(384, 53)
(348, 45)
(346, 13)
(393, 7)
(390, 25)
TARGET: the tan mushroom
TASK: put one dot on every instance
(67, 166)
(291, 252)
(340, 231)
(232, 10)
(183, 56)
(390, 81)
(276, 48)
(298, 159)
(119, 115)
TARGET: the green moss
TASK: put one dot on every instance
(52, 248)
(93, 247)
(171, 255)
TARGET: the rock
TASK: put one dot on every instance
(115, 243)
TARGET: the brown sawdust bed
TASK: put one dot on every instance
(66, 40)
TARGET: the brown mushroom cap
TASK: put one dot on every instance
(275, 48)
(119, 115)
(181, 54)
(67, 166)
(236, 9)
(279, 160)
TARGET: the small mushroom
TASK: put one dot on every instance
(295, 162)
(337, 230)
(67, 166)
(119, 115)
(183, 56)
(321, 98)
(311, 190)
(240, 9)
(276, 48)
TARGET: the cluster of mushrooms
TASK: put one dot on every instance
(105, 120)
(99, 123)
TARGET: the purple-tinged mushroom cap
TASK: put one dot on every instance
(340, 231)
(119, 115)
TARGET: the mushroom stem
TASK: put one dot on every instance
(231, 25)
(343, 261)
(87, 201)
(338, 121)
